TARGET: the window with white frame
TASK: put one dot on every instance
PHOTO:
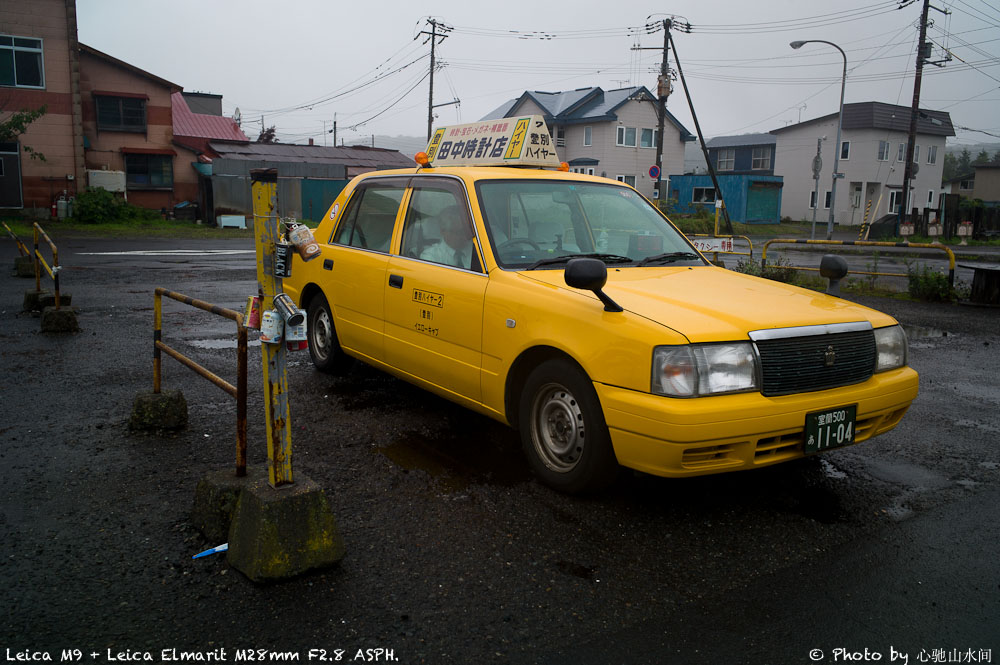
(727, 159)
(930, 198)
(895, 200)
(826, 200)
(626, 137)
(627, 179)
(761, 158)
(703, 195)
(901, 153)
(21, 64)
(916, 154)
(966, 184)
(560, 137)
(588, 136)
(812, 199)
(845, 150)
(932, 154)
(647, 138)
(883, 151)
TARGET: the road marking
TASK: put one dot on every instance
(172, 252)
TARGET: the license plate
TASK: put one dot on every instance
(831, 428)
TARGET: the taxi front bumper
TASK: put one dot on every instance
(691, 437)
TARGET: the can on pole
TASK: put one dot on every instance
(251, 316)
(295, 336)
(302, 238)
(282, 259)
(272, 327)
(285, 306)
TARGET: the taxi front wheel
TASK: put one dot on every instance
(324, 347)
(563, 430)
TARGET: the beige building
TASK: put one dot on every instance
(986, 186)
(872, 160)
(610, 133)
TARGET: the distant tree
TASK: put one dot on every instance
(950, 167)
(964, 162)
(996, 156)
(982, 157)
(267, 136)
(17, 123)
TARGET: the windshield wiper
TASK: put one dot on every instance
(553, 260)
(669, 257)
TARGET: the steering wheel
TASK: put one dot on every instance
(513, 242)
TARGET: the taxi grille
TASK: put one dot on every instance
(817, 362)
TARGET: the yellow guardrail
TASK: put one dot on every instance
(39, 260)
(239, 391)
(864, 243)
(20, 245)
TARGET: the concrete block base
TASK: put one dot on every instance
(163, 410)
(215, 501)
(278, 534)
(48, 299)
(24, 266)
(33, 300)
(59, 320)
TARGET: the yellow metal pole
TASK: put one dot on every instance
(157, 334)
(264, 189)
(35, 257)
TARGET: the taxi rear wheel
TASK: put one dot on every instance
(324, 347)
(563, 431)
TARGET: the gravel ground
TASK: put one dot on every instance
(454, 554)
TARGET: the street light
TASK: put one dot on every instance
(840, 123)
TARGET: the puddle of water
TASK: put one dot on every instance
(219, 343)
(455, 462)
(830, 471)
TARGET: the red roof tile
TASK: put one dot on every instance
(202, 125)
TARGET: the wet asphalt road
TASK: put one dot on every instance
(454, 554)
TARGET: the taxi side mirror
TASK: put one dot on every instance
(591, 275)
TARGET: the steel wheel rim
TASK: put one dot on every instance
(322, 335)
(557, 428)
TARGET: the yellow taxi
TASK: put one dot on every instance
(570, 308)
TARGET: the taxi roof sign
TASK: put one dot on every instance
(523, 141)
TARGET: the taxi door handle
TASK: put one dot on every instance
(327, 264)
(396, 281)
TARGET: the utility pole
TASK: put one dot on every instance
(433, 37)
(908, 171)
(663, 90)
(923, 56)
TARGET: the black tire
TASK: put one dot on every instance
(324, 347)
(563, 431)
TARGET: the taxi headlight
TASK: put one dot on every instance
(890, 345)
(704, 369)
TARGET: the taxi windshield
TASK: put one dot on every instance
(535, 224)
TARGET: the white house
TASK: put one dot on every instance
(606, 133)
(872, 156)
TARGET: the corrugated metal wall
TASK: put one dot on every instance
(231, 186)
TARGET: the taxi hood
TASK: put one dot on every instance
(710, 304)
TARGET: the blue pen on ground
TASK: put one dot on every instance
(215, 550)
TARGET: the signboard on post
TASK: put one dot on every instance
(707, 245)
(654, 171)
(523, 141)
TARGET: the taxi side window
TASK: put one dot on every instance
(370, 217)
(437, 228)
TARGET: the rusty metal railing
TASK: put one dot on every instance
(39, 260)
(864, 243)
(17, 241)
(239, 391)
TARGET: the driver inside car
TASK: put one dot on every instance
(455, 247)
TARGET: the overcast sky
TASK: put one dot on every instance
(297, 63)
